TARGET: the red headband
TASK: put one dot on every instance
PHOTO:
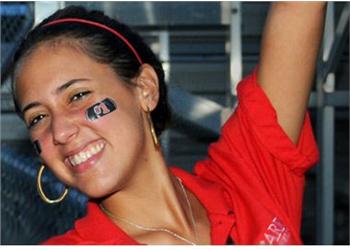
(99, 25)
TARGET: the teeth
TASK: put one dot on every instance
(87, 154)
(73, 161)
(93, 150)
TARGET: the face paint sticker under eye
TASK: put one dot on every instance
(37, 147)
(100, 109)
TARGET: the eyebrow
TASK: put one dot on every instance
(57, 92)
(68, 84)
(29, 106)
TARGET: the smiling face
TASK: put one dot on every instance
(55, 86)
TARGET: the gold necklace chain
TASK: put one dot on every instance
(153, 229)
(191, 211)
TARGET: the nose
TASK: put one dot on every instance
(64, 129)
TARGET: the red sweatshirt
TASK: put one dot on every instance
(251, 183)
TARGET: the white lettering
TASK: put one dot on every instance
(276, 233)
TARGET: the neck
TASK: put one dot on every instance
(153, 197)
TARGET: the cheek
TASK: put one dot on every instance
(118, 122)
(43, 145)
(100, 115)
(100, 109)
(37, 146)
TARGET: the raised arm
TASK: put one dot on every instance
(290, 45)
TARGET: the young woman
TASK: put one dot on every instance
(93, 96)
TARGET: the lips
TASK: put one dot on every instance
(86, 154)
(86, 157)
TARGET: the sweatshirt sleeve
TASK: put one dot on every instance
(261, 169)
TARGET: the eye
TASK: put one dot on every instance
(79, 96)
(35, 120)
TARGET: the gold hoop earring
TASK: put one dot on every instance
(41, 191)
(153, 132)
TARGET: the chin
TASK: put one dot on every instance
(97, 191)
(95, 194)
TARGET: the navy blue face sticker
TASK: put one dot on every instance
(37, 147)
(100, 109)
